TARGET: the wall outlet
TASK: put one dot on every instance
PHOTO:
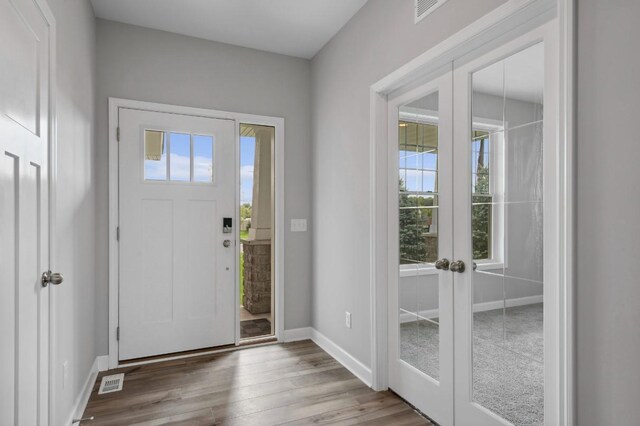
(65, 373)
(298, 225)
(347, 319)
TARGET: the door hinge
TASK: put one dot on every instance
(118, 333)
(118, 133)
(118, 233)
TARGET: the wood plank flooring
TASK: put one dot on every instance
(294, 384)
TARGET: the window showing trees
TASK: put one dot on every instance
(418, 196)
(418, 193)
(482, 196)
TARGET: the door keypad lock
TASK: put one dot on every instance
(227, 225)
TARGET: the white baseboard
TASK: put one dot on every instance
(509, 303)
(360, 370)
(477, 307)
(296, 334)
(101, 363)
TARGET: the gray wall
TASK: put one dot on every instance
(608, 228)
(381, 37)
(156, 66)
(74, 304)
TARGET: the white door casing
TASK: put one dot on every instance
(177, 280)
(115, 104)
(24, 211)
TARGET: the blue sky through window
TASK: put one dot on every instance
(418, 170)
(247, 157)
(202, 158)
(180, 158)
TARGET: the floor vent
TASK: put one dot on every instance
(425, 7)
(111, 383)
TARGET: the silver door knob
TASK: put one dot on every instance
(226, 243)
(457, 266)
(442, 264)
(49, 277)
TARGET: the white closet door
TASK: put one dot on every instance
(24, 213)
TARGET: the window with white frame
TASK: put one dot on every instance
(418, 191)
(178, 157)
(487, 189)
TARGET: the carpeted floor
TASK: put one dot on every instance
(255, 328)
(507, 360)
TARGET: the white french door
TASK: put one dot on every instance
(24, 214)
(420, 229)
(473, 300)
(506, 309)
(177, 176)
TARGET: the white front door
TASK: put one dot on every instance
(177, 176)
(24, 213)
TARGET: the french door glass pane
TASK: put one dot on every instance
(418, 234)
(507, 237)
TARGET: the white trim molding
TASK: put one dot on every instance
(101, 363)
(297, 334)
(358, 369)
(507, 22)
(277, 122)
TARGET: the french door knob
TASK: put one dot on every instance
(457, 266)
(49, 277)
(442, 264)
(226, 243)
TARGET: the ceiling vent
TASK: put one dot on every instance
(425, 7)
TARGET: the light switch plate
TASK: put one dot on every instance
(298, 225)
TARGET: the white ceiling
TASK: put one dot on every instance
(291, 27)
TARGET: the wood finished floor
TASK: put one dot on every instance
(294, 383)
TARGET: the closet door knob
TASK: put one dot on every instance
(49, 277)
(457, 266)
(442, 264)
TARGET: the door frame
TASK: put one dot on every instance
(507, 22)
(278, 236)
